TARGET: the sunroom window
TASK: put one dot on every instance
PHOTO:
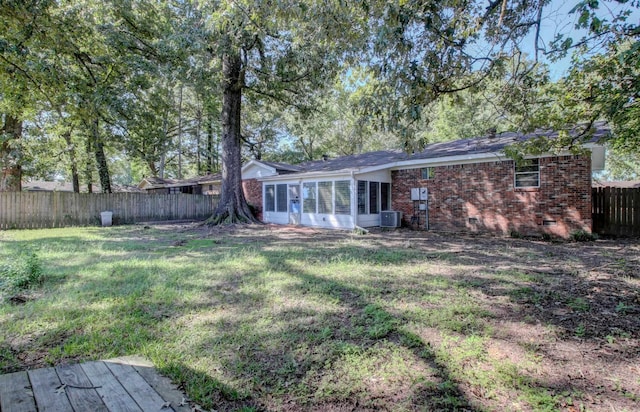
(325, 197)
(281, 198)
(374, 194)
(362, 197)
(309, 195)
(343, 197)
(269, 198)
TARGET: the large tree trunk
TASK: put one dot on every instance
(198, 141)
(101, 158)
(75, 178)
(10, 168)
(233, 206)
(180, 133)
(88, 166)
(211, 149)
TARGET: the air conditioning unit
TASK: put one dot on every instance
(390, 218)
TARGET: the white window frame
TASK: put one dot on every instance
(525, 170)
(427, 173)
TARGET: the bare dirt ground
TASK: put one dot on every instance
(580, 318)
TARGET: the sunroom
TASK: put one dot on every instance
(340, 201)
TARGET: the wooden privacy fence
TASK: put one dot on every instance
(31, 210)
(616, 211)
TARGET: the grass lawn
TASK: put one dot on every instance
(267, 318)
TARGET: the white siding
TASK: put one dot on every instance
(369, 220)
(275, 217)
(255, 171)
(328, 221)
(377, 176)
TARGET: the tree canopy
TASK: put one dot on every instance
(121, 89)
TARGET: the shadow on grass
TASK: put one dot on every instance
(334, 341)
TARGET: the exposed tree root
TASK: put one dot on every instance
(231, 215)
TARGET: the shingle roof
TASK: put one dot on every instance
(156, 181)
(478, 145)
(282, 168)
(354, 161)
(487, 144)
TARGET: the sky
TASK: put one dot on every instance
(557, 19)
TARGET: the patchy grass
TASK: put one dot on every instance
(264, 318)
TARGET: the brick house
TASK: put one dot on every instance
(463, 185)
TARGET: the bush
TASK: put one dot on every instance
(515, 234)
(583, 236)
(23, 273)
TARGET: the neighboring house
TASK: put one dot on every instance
(46, 186)
(463, 185)
(202, 185)
(622, 184)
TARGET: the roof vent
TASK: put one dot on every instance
(325, 157)
(491, 133)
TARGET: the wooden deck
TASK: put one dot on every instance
(114, 385)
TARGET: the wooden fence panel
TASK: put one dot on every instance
(31, 210)
(616, 211)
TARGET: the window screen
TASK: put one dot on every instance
(269, 198)
(362, 197)
(281, 198)
(343, 197)
(325, 198)
(309, 197)
(374, 194)
(385, 196)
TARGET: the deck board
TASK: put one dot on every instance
(160, 383)
(110, 390)
(16, 394)
(47, 390)
(144, 395)
(124, 384)
(76, 380)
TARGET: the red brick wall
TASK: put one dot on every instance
(482, 197)
(253, 193)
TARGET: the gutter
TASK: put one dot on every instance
(297, 176)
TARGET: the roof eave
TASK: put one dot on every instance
(309, 175)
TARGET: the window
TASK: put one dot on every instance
(373, 197)
(343, 197)
(269, 198)
(325, 197)
(427, 173)
(385, 196)
(374, 194)
(309, 197)
(362, 197)
(527, 173)
(281, 198)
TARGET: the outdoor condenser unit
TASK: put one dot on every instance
(390, 218)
